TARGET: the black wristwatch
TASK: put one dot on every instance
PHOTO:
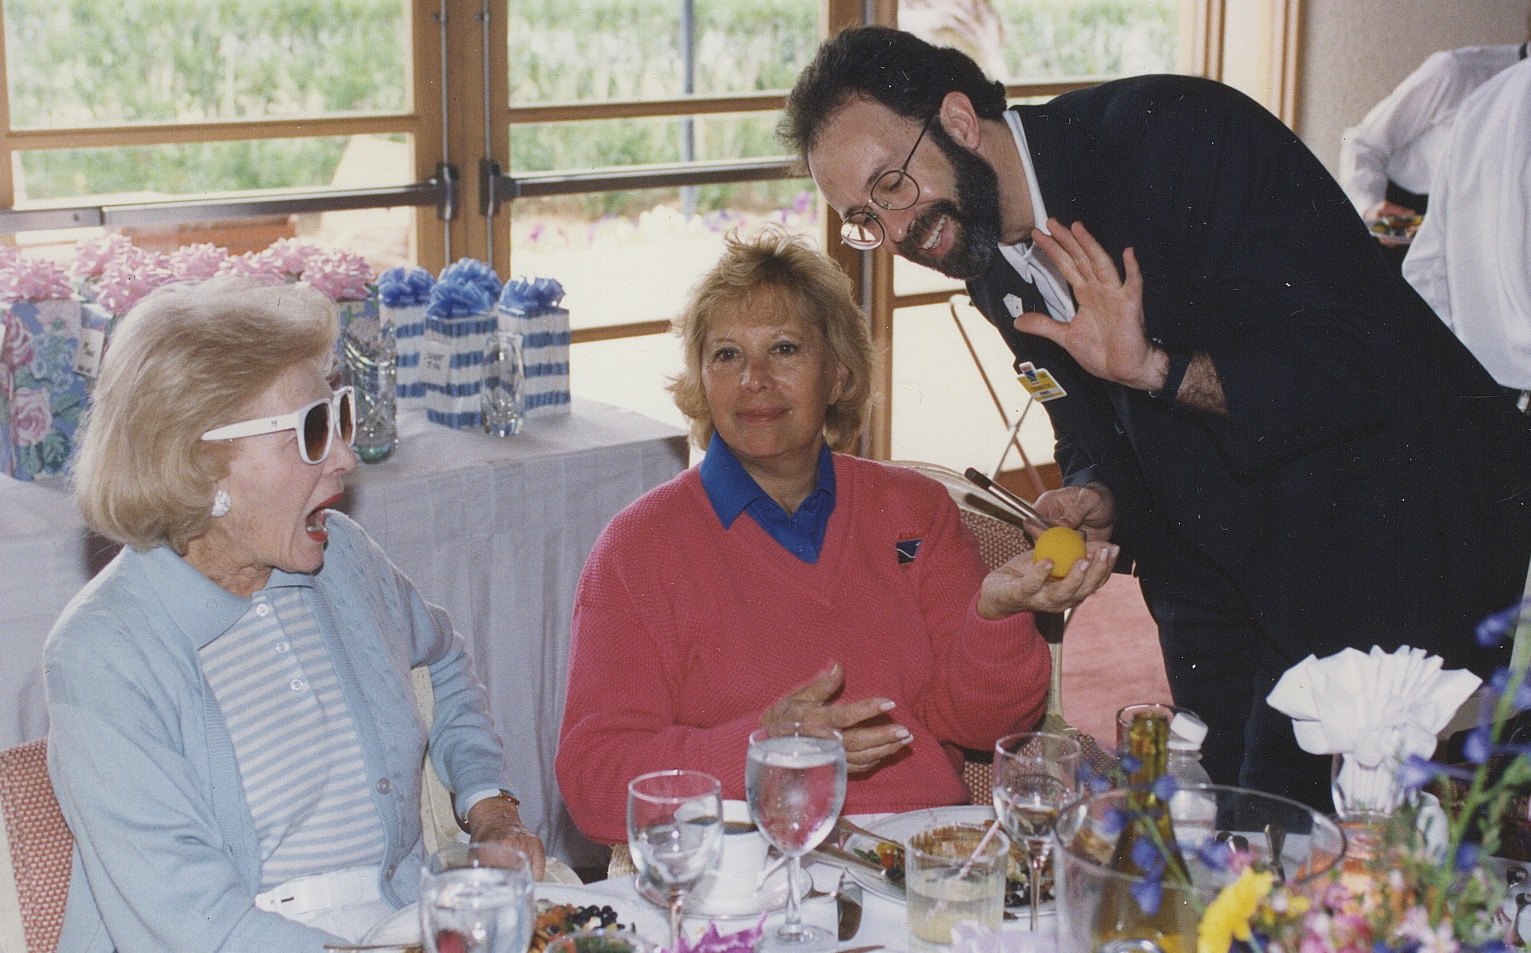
(1174, 376)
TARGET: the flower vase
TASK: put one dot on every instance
(1085, 836)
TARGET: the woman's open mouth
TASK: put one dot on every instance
(314, 526)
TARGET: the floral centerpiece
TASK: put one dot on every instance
(1398, 891)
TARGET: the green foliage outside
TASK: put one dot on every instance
(1052, 38)
(113, 62)
(95, 62)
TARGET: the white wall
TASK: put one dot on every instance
(1356, 51)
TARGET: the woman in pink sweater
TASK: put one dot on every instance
(778, 581)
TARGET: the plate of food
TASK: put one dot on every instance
(560, 909)
(896, 828)
(1397, 229)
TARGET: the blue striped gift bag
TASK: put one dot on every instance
(530, 306)
(404, 294)
(458, 319)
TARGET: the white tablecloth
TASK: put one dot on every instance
(496, 531)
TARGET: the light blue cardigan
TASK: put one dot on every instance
(165, 854)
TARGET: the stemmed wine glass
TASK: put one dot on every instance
(675, 832)
(795, 783)
(1035, 774)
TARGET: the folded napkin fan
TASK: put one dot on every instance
(1376, 709)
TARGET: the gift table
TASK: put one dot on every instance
(495, 531)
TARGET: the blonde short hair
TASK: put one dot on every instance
(190, 357)
(773, 269)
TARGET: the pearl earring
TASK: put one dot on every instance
(221, 502)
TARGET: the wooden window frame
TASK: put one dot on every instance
(460, 118)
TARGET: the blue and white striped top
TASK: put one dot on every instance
(296, 746)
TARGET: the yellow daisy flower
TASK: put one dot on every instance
(1227, 917)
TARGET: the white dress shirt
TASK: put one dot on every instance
(1029, 261)
(1470, 259)
(1403, 137)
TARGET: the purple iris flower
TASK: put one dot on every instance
(1149, 894)
(1478, 745)
(1165, 787)
(1417, 772)
(1491, 631)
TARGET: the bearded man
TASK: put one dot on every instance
(1296, 454)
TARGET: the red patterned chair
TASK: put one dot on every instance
(35, 848)
(1000, 539)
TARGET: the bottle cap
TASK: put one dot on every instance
(1187, 732)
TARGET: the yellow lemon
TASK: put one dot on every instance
(1063, 546)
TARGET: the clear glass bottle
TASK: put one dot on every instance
(504, 384)
(371, 357)
(1172, 924)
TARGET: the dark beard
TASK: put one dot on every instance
(974, 217)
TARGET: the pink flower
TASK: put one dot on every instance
(289, 256)
(91, 257)
(31, 415)
(197, 261)
(128, 278)
(1416, 926)
(19, 349)
(342, 275)
(250, 265)
(25, 278)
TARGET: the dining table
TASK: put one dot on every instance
(494, 530)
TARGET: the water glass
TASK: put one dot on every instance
(370, 355)
(675, 831)
(949, 878)
(476, 898)
(795, 783)
(502, 399)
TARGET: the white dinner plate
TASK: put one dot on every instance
(898, 828)
(403, 926)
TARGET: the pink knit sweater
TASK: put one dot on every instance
(684, 632)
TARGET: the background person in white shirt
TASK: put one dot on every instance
(1387, 160)
(1470, 259)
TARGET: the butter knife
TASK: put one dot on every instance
(843, 857)
(1020, 506)
(847, 909)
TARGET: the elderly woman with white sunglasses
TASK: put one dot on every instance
(234, 740)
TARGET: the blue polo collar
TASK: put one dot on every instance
(732, 491)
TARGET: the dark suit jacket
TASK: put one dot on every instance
(1371, 483)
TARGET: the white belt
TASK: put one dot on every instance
(318, 892)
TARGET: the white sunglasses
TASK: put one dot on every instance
(316, 423)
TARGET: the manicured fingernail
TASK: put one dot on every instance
(886, 706)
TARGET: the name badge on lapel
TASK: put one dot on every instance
(1039, 382)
